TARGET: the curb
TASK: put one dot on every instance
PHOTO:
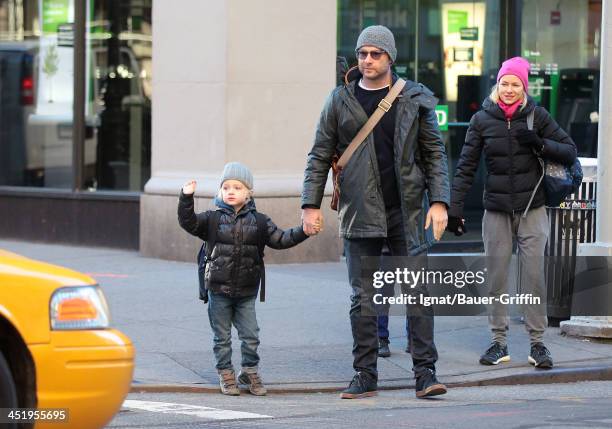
(553, 376)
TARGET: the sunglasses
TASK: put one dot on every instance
(376, 55)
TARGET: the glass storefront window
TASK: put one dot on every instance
(449, 46)
(398, 16)
(36, 92)
(468, 43)
(37, 83)
(118, 146)
(460, 46)
(561, 41)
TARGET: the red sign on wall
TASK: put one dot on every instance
(555, 17)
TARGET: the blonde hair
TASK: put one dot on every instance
(494, 96)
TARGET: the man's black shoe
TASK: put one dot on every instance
(539, 356)
(383, 348)
(428, 385)
(495, 354)
(361, 386)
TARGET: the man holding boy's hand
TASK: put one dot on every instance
(385, 189)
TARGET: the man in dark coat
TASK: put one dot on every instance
(386, 189)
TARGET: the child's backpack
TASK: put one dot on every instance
(207, 247)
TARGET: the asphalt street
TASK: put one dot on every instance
(572, 405)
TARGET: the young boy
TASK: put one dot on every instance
(233, 271)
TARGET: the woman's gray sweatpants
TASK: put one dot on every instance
(531, 233)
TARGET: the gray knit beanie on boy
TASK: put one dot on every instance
(379, 36)
(237, 171)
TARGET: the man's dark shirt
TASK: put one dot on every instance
(383, 133)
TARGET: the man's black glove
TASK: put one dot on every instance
(529, 138)
(456, 225)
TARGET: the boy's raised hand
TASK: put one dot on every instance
(189, 187)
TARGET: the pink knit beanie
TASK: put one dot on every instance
(518, 67)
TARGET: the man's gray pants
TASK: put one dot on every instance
(499, 229)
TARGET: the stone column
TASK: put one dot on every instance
(237, 80)
(600, 326)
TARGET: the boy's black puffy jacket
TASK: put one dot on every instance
(513, 170)
(234, 268)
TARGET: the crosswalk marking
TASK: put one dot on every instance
(190, 410)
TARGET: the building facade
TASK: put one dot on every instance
(109, 106)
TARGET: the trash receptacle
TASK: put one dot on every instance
(571, 223)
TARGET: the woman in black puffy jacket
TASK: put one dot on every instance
(511, 151)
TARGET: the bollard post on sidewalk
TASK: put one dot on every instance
(600, 326)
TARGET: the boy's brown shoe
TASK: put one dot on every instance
(227, 382)
(250, 378)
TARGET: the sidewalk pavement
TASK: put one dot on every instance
(305, 333)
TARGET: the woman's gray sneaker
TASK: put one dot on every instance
(495, 354)
(539, 356)
(227, 382)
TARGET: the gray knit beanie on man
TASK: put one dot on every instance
(379, 36)
(237, 171)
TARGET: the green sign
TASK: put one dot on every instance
(469, 33)
(442, 115)
(54, 13)
(457, 19)
(536, 88)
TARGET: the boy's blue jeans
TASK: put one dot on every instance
(223, 311)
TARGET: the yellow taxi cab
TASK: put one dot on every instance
(58, 355)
